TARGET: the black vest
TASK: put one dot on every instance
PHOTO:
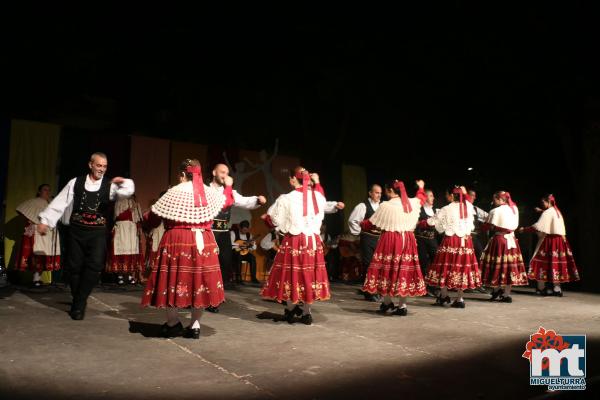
(427, 233)
(368, 215)
(90, 209)
(370, 210)
(238, 236)
(221, 221)
(476, 223)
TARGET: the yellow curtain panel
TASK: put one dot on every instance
(32, 161)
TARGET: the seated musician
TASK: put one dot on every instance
(270, 244)
(243, 245)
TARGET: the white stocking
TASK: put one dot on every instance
(459, 296)
(306, 309)
(443, 292)
(172, 316)
(195, 321)
(402, 302)
(37, 277)
(387, 300)
(541, 285)
(557, 288)
(507, 290)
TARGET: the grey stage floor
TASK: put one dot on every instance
(350, 351)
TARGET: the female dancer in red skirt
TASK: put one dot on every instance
(186, 271)
(394, 269)
(552, 261)
(125, 251)
(502, 262)
(37, 253)
(455, 263)
(298, 275)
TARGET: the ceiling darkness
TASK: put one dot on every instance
(413, 91)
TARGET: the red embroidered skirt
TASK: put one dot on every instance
(554, 261)
(501, 265)
(298, 274)
(454, 265)
(181, 276)
(123, 263)
(394, 268)
(27, 261)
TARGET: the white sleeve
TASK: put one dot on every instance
(356, 217)
(57, 207)
(277, 211)
(123, 190)
(330, 207)
(266, 243)
(233, 244)
(248, 203)
(438, 221)
(481, 215)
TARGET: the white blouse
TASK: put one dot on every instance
(551, 223)
(504, 217)
(286, 214)
(390, 215)
(448, 221)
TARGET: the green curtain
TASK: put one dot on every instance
(33, 155)
(354, 188)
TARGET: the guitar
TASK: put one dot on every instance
(244, 246)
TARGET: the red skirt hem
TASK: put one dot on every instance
(183, 277)
(501, 265)
(455, 265)
(394, 269)
(554, 262)
(298, 273)
(26, 260)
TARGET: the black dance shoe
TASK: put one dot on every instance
(458, 304)
(212, 309)
(383, 308)
(167, 331)
(440, 301)
(77, 314)
(306, 319)
(541, 292)
(289, 315)
(401, 311)
(192, 333)
(505, 299)
(557, 293)
(497, 294)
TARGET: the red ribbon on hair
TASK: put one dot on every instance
(463, 202)
(198, 184)
(403, 196)
(510, 202)
(552, 201)
(304, 175)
